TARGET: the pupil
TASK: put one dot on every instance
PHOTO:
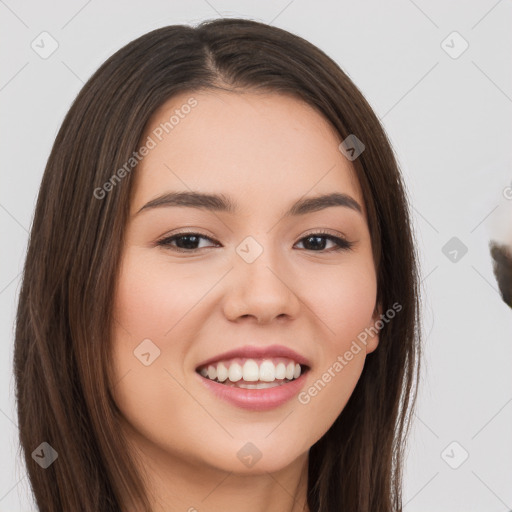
(315, 245)
(185, 245)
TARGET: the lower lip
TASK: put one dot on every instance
(256, 399)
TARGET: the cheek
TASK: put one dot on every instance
(344, 301)
(151, 299)
(148, 304)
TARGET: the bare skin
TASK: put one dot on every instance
(264, 152)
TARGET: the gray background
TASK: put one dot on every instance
(449, 122)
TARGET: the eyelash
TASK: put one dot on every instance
(342, 243)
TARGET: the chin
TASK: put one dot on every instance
(254, 458)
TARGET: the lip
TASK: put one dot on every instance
(254, 352)
(256, 399)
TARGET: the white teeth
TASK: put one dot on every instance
(267, 371)
(222, 372)
(264, 372)
(280, 371)
(251, 371)
(234, 373)
(290, 370)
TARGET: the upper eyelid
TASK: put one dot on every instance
(318, 231)
(185, 233)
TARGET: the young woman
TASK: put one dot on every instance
(219, 308)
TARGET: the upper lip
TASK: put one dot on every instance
(257, 352)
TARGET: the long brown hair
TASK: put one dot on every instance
(62, 361)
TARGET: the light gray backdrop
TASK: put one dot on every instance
(447, 110)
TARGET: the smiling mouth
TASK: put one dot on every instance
(253, 373)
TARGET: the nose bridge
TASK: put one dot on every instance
(259, 287)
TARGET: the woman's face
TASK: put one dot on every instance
(252, 279)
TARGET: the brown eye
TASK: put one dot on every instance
(184, 242)
(317, 241)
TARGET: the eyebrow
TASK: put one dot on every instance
(222, 203)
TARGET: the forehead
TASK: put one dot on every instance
(258, 148)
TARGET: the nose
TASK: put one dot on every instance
(262, 290)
